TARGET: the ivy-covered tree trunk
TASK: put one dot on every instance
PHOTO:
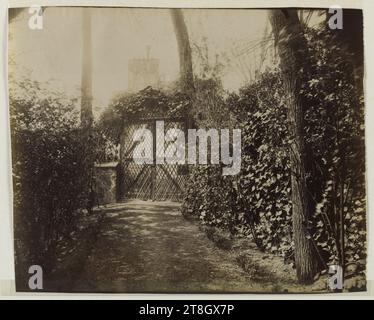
(292, 49)
(184, 49)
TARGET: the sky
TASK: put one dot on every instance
(119, 34)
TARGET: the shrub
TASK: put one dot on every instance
(257, 202)
(51, 170)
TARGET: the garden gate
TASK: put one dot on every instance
(150, 181)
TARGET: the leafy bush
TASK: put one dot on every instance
(335, 127)
(257, 202)
(211, 197)
(264, 182)
(146, 103)
(51, 170)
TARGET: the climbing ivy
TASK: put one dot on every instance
(147, 103)
(257, 202)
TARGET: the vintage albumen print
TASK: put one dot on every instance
(187, 150)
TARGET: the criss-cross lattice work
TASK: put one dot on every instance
(152, 180)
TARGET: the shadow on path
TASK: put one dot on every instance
(146, 246)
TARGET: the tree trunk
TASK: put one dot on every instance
(86, 80)
(184, 49)
(86, 105)
(292, 49)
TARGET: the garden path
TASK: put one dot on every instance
(146, 246)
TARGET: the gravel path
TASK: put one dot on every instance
(146, 246)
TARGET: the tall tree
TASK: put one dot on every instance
(292, 49)
(184, 49)
(86, 105)
(86, 80)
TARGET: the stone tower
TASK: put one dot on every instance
(143, 73)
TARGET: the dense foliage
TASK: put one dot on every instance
(51, 170)
(147, 103)
(335, 127)
(257, 202)
(52, 159)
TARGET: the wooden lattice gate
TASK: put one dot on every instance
(150, 181)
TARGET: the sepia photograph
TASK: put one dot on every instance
(187, 150)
